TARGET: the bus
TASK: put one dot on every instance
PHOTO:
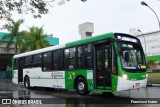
(108, 63)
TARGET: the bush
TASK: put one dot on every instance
(158, 63)
(150, 62)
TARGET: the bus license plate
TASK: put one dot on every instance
(137, 84)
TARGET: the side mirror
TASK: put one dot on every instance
(126, 56)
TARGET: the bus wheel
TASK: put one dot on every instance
(81, 86)
(26, 82)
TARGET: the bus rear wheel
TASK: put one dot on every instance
(26, 82)
(81, 86)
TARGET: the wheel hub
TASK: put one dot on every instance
(81, 86)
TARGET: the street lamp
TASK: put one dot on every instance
(145, 4)
(144, 40)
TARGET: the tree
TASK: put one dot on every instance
(150, 62)
(35, 7)
(14, 34)
(35, 39)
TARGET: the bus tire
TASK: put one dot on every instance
(27, 82)
(81, 86)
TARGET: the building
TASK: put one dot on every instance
(6, 56)
(152, 42)
(86, 29)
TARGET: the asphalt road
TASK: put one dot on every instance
(143, 97)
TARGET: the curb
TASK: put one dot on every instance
(154, 85)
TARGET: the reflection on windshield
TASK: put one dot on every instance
(131, 56)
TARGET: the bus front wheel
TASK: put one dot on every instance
(81, 86)
(26, 82)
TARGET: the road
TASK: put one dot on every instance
(65, 98)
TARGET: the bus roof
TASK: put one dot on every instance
(74, 43)
(39, 51)
(91, 39)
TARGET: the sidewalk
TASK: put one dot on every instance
(153, 85)
(7, 85)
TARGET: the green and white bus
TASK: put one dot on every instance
(109, 62)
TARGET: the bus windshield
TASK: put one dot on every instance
(132, 56)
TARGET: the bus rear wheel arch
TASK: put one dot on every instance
(26, 82)
(81, 86)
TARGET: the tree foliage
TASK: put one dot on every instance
(23, 40)
(34, 39)
(35, 7)
(14, 33)
(150, 62)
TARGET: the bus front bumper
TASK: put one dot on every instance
(124, 84)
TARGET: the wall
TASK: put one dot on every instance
(152, 40)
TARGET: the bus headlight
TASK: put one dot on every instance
(146, 75)
(124, 76)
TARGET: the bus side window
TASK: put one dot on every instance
(47, 61)
(37, 60)
(87, 56)
(69, 60)
(28, 61)
(80, 58)
(55, 64)
(66, 57)
(58, 60)
(84, 57)
(72, 58)
(15, 63)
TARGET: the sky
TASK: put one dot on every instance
(107, 15)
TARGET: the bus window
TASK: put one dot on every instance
(87, 59)
(80, 58)
(37, 60)
(47, 61)
(69, 59)
(131, 56)
(15, 63)
(58, 60)
(55, 62)
(84, 57)
(28, 61)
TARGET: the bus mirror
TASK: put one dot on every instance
(126, 56)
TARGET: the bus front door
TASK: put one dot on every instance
(103, 66)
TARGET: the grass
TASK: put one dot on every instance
(154, 78)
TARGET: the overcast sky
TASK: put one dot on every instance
(107, 16)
